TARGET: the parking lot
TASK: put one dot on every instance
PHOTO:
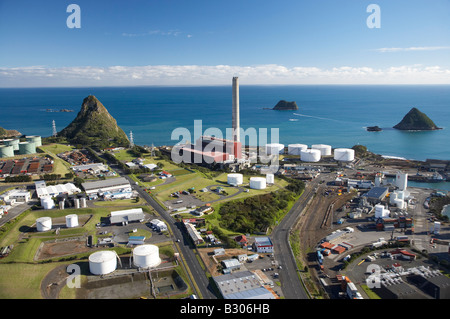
(120, 234)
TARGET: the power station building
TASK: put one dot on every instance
(209, 149)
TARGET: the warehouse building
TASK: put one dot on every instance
(42, 190)
(107, 185)
(242, 285)
(230, 265)
(437, 286)
(94, 168)
(376, 194)
(123, 217)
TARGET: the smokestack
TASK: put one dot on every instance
(235, 114)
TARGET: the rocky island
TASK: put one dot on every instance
(374, 128)
(285, 105)
(415, 120)
(94, 126)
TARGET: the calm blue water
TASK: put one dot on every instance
(334, 115)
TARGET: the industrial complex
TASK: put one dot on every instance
(146, 227)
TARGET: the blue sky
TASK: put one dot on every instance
(146, 42)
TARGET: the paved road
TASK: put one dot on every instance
(290, 282)
(186, 248)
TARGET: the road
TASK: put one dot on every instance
(289, 277)
(185, 245)
(291, 284)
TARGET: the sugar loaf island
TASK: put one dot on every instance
(272, 221)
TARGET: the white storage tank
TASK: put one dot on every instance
(34, 139)
(47, 202)
(103, 262)
(146, 256)
(235, 179)
(83, 202)
(76, 202)
(310, 155)
(27, 148)
(274, 148)
(344, 154)
(72, 220)
(6, 151)
(295, 149)
(257, 182)
(325, 150)
(270, 178)
(14, 142)
(43, 224)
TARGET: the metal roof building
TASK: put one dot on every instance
(42, 190)
(231, 264)
(111, 184)
(193, 233)
(376, 194)
(128, 215)
(242, 285)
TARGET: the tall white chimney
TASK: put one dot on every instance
(235, 115)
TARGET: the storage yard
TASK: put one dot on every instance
(30, 166)
(341, 222)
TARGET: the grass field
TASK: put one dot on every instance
(59, 166)
(22, 280)
(20, 274)
(56, 148)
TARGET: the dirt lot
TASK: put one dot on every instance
(62, 248)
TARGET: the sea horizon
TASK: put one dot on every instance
(334, 114)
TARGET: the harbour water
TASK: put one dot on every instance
(328, 114)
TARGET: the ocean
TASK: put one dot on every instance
(328, 114)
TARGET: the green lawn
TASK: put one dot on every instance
(56, 148)
(20, 274)
(59, 166)
(23, 280)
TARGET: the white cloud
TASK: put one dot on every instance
(153, 32)
(384, 50)
(39, 76)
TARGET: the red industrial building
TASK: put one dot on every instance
(210, 150)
